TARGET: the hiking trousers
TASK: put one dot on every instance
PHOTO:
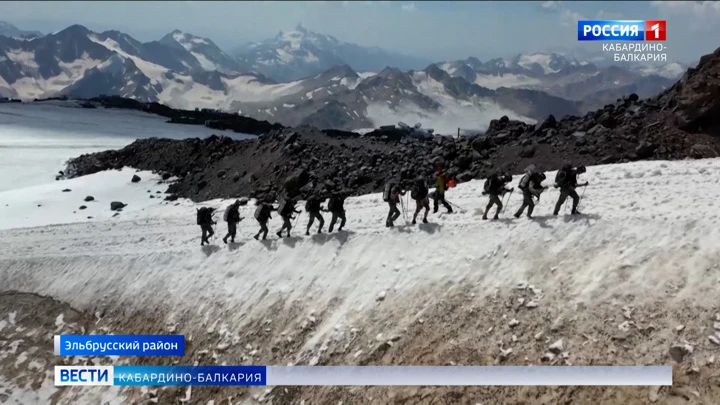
(566, 192)
(232, 231)
(335, 216)
(286, 225)
(207, 233)
(440, 198)
(527, 202)
(394, 213)
(263, 229)
(424, 203)
(494, 200)
(313, 215)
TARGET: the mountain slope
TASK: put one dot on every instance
(567, 77)
(403, 304)
(51, 66)
(188, 72)
(679, 124)
(300, 53)
(208, 55)
(47, 65)
(342, 99)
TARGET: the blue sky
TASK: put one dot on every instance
(442, 30)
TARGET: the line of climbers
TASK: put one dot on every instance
(495, 187)
(286, 209)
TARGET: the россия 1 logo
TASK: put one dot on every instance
(623, 31)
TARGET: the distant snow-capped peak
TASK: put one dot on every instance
(548, 62)
(11, 31)
(188, 41)
(672, 70)
(535, 64)
(301, 53)
(300, 36)
(208, 55)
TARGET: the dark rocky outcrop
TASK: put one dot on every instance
(209, 118)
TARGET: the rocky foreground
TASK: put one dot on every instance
(683, 122)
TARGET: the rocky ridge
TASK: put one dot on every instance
(683, 122)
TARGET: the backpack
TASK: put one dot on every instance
(262, 212)
(487, 187)
(332, 204)
(286, 208)
(388, 191)
(282, 206)
(562, 175)
(419, 192)
(204, 215)
(226, 215)
(312, 204)
(449, 182)
(524, 182)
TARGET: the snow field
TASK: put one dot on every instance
(650, 232)
(37, 139)
(656, 218)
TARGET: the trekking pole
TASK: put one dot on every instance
(506, 204)
(581, 197)
(407, 202)
(455, 205)
(296, 220)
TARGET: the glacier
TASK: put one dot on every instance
(37, 139)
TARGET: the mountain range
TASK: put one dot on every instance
(300, 53)
(301, 77)
(9, 30)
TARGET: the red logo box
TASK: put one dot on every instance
(655, 30)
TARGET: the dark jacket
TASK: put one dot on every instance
(571, 179)
(289, 209)
(313, 204)
(233, 213)
(336, 203)
(396, 193)
(265, 212)
(497, 186)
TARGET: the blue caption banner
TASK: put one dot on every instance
(119, 345)
(189, 375)
(363, 375)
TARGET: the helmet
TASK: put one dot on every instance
(237, 202)
(581, 169)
